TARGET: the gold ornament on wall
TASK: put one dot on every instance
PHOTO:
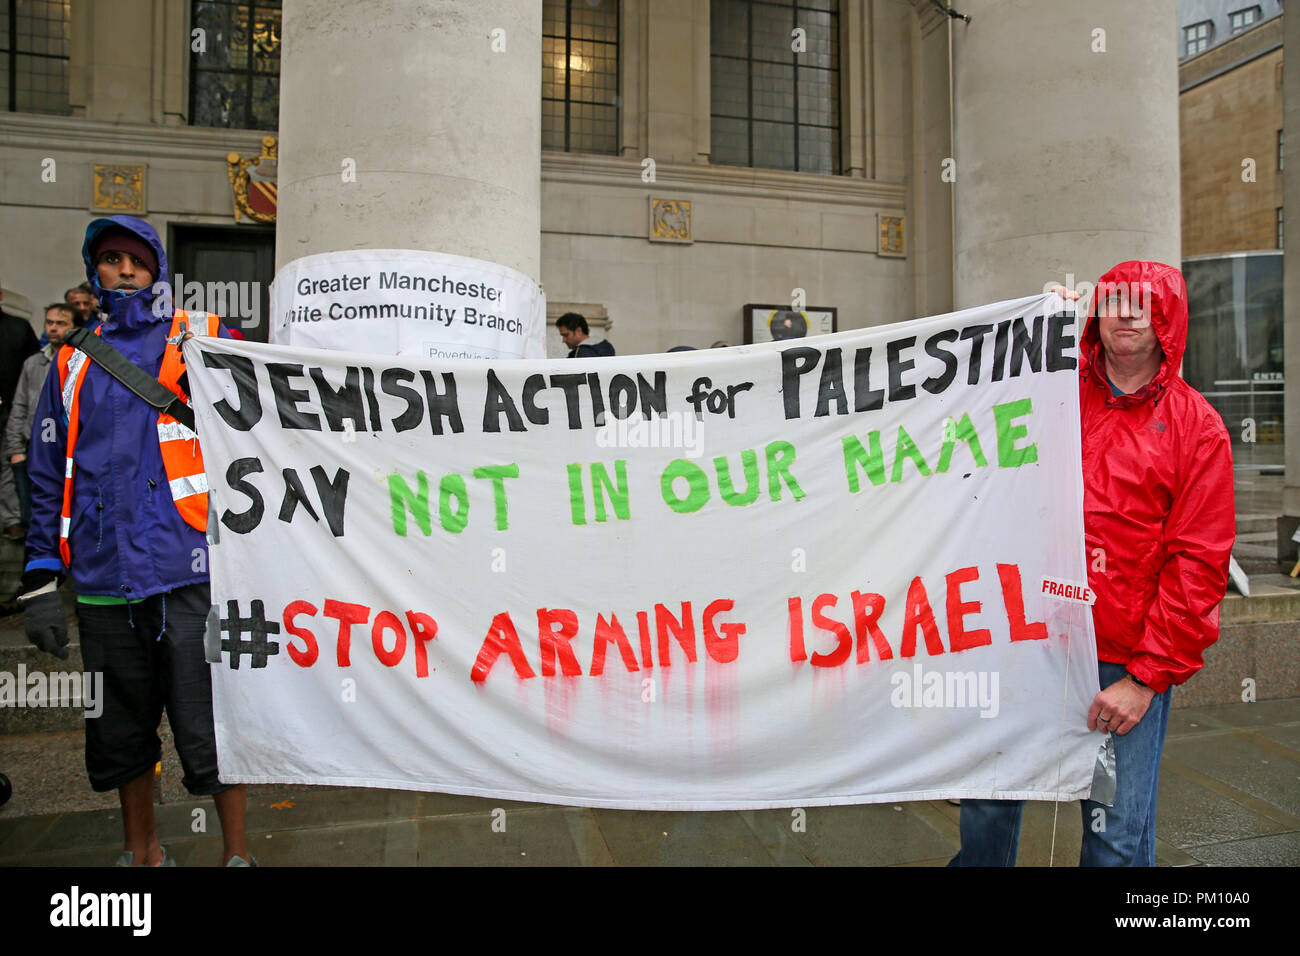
(891, 236)
(117, 188)
(253, 182)
(670, 220)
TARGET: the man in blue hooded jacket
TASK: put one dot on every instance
(139, 568)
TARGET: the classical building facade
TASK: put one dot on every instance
(1204, 24)
(1231, 129)
(687, 157)
(1230, 108)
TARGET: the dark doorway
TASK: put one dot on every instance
(212, 257)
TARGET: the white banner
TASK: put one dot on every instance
(858, 575)
(407, 302)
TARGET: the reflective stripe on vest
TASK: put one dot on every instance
(182, 457)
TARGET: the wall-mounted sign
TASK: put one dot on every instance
(891, 236)
(118, 188)
(253, 182)
(774, 323)
(670, 220)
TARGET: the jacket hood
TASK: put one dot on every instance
(115, 301)
(1162, 287)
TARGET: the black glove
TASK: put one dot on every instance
(44, 617)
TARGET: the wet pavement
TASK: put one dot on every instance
(1229, 795)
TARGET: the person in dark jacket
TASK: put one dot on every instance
(572, 327)
(17, 342)
(109, 509)
(1159, 527)
(59, 318)
(83, 303)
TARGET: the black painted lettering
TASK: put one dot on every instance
(242, 372)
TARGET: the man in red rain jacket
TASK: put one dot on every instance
(1159, 523)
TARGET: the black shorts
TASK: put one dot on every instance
(151, 656)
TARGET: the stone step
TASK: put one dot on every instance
(1256, 524)
(31, 668)
(19, 659)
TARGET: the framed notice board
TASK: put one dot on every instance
(776, 323)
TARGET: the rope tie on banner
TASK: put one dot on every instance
(1060, 752)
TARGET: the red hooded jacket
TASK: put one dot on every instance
(1158, 497)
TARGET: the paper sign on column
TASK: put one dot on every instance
(408, 302)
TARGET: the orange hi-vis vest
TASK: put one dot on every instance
(182, 457)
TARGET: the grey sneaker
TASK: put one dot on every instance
(128, 859)
(240, 861)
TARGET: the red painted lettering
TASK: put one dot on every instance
(867, 609)
(1009, 574)
(643, 629)
(683, 630)
(501, 637)
(347, 615)
(918, 613)
(556, 643)
(794, 613)
(423, 630)
(820, 621)
(307, 656)
(725, 648)
(387, 620)
(610, 632)
(960, 639)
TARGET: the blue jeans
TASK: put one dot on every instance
(1122, 835)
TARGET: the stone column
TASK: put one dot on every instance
(411, 124)
(1291, 297)
(1066, 156)
(114, 49)
(677, 81)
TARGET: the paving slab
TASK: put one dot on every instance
(355, 845)
(880, 834)
(1239, 764)
(48, 774)
(1282, 849)
(91, 830)
(541, 836)
(1288, 735)
(1192, 722)
(1255, 714)
(1188, 815)
(663, 838)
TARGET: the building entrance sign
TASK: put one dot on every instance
(407, 302)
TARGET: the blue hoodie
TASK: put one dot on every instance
(127, 540)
